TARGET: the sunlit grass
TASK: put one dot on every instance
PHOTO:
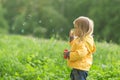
(28, 58)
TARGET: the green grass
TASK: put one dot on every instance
(28, 58)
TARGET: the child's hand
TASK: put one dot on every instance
(71, 35)
(66, 54)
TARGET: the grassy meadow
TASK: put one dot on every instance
(28, 58)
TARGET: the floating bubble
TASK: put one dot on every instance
(24, 23)
(53, 30)
(103, 66)
(51, 20)
(29, 15)
(22, 30)
(61, 29)
(40, 21)
(13, 28)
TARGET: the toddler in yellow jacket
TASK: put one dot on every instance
(82, 48)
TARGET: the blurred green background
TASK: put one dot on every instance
(54, 18)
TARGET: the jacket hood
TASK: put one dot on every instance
(90, 44)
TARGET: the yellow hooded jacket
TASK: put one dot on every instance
(81, 53)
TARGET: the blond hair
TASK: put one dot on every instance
(83, 27)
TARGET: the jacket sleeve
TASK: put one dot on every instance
(79, 53)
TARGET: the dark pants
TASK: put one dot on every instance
(78, 74)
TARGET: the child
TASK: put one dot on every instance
(82, 47)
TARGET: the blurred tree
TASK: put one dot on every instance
(3, 22)
(13, 8)
(55, 22)
(47, 18)
(39, 18)
(106, 17)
